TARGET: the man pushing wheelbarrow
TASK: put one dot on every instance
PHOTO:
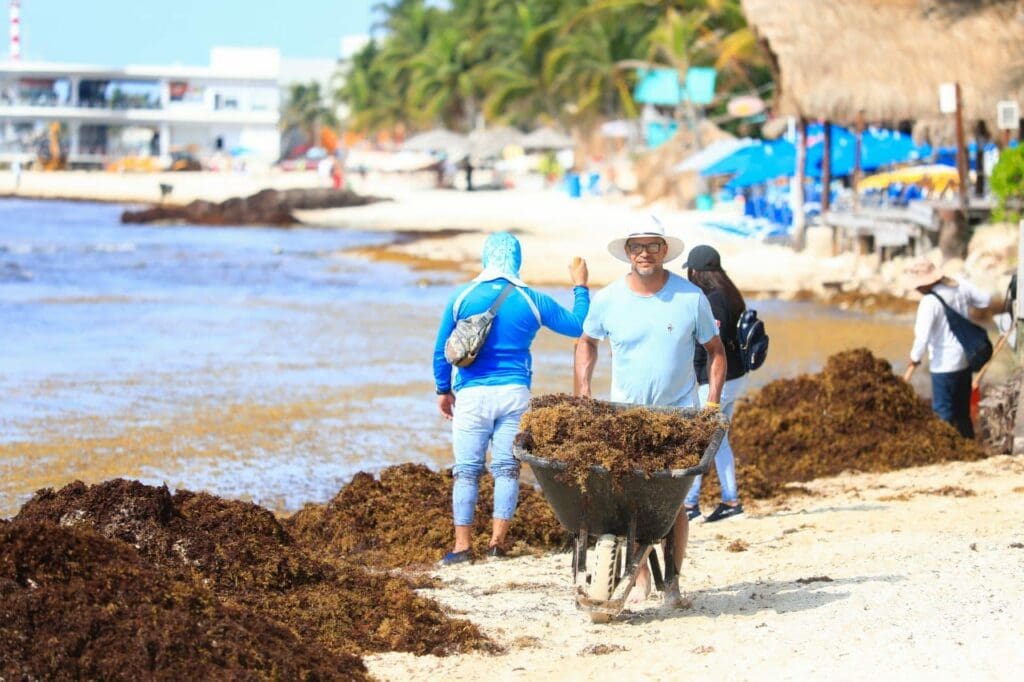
(653, 320)
(617, 473)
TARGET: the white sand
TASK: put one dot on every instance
(553, 227)
(923, 588)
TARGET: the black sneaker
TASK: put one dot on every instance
(692, 512)
(494, 553)
(452, 558)
(724, 511)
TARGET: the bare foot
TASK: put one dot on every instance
(674, 599)
(641, 589)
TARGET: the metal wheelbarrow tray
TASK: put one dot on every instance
(628, 516)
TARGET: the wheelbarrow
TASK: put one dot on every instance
(627, 520)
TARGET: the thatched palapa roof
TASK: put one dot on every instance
(887, 58)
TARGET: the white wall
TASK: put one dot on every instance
(258, 61)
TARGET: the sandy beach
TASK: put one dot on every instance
(553, 227)
(913, 574)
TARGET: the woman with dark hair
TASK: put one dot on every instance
(704, 268)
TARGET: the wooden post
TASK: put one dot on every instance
(857, 151)
(980, 140)
(961, 157)
(799, 219)
(826, 168)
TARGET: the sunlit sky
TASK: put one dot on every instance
(118, 32)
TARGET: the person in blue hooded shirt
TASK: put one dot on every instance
(487, 399)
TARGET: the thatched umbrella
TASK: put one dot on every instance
(490, 142)
(437, 140)
(547, 138)
(887, 58)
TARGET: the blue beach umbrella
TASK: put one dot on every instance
(777, 159)
(879, 147)
(737, 161)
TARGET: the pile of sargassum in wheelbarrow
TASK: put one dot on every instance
(616, 474)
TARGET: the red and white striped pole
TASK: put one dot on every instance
(15, 30)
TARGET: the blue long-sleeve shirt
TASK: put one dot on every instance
(505, 357)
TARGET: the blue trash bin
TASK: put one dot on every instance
(572, 184)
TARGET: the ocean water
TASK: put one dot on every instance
(264, 364)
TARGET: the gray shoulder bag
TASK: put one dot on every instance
(466, 340)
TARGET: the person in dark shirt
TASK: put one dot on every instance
(704, 268)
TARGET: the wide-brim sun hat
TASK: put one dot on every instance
(923, 273)
(652, 227)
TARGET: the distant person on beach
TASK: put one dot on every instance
(16, 170)
(654, 320)
(704, 268)
(951, 376)
(336, 175)
(488, 398)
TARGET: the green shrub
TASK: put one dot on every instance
(1008, 184)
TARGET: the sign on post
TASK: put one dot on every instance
(1007, 115)
(947, 98)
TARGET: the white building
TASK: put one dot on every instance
(231, 106)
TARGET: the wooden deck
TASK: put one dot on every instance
(913, 228)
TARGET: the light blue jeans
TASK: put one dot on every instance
(725, 464)
(482, 415)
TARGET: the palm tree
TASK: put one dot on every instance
(521, 35)
(573, 61)
(307, 110)
(589, 64)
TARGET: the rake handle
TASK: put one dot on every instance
(981, 372)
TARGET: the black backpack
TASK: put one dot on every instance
(972, 337)
(752, 339)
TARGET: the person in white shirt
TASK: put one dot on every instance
(947, 362)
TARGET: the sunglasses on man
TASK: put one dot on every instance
(652, 248)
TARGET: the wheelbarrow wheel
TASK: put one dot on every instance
(602, 578)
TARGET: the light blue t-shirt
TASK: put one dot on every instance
(653, 339)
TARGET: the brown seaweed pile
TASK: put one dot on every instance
(997, 413)
(583, 432)
(247, 559)
(77, 605)
(855, 415)
(403, 518)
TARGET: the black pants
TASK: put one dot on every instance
(951, 399)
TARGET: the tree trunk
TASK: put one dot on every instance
(953, 233)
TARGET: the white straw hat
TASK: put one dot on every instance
(650, 228)
(923, 273)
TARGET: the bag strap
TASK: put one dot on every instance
(493, 310)
(941, 300)
(494, 306)
(949, 309)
